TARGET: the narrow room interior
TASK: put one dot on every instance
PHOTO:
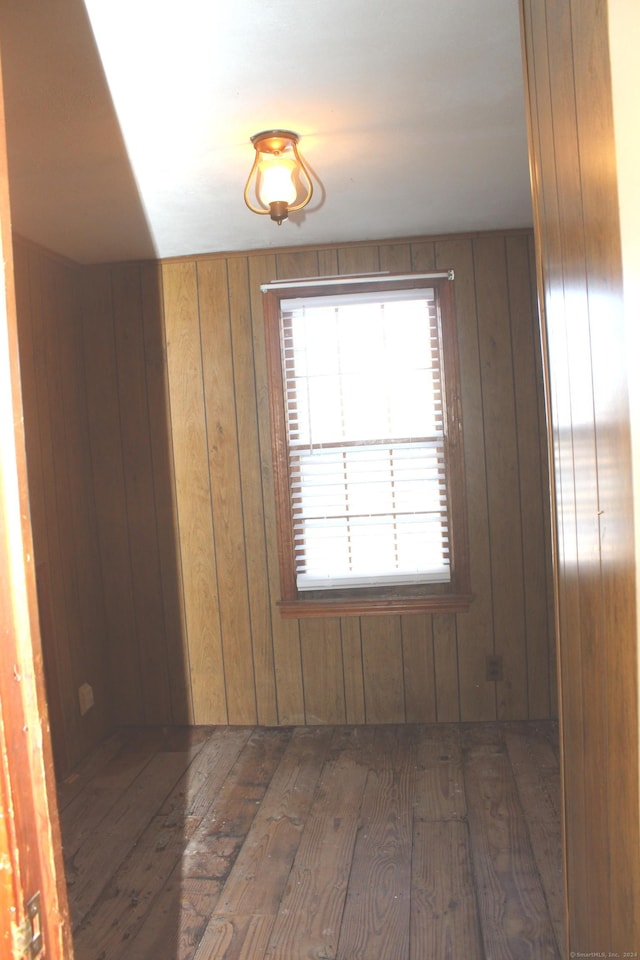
(240, 661)
(248, 767)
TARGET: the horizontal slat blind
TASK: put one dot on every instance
(366, 439)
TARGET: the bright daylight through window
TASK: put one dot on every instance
(367, 443)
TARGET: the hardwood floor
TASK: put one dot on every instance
(420, 842)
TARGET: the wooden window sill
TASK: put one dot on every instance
(372, 607)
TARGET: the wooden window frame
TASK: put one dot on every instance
(453, 596)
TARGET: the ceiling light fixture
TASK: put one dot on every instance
(279, 182)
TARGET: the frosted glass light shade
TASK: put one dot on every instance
(275, 181)
(279, 182)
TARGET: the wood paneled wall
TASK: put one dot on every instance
(247, 662)
(178, 469)
(72, 608)
(579, 247)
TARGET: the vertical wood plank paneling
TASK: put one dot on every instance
(552, 41)
(322, 669)
(611, 683)
(63, 513)
(56, 652)
(423, 256)
(503, 475)
(327, 262)
(445, 654)
(475, 628)
(545, 452)
(109, 488)
(358, 259)
(55, 333)
(139, 491)
(226, 494)
(567, 73)
(82, 556)
(300, 263)
(395, 257)
(419, 668)
(547, 221)
(352, 669)
(184, 360)
(247, 413)
(382, 669)
(55, 681)
(177, 650)
(321, 645)
(286, 638)
(532, 490)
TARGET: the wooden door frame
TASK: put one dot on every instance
(29, 830)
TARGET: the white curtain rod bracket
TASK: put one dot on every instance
(354, 278)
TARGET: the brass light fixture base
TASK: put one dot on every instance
(274, 141)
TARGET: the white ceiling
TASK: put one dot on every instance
(128, 121)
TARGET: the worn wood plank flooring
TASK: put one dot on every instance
(408, 842)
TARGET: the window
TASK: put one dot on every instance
(367, 445)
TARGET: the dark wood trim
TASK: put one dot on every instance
(294, 604)
(457, 500)
(277, 413)
(382, 606)
(29, 836)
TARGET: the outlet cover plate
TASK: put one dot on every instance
(85, 698)
(494, 667)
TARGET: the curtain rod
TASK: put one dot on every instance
(354, 278)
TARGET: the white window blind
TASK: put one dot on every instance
(366, 438)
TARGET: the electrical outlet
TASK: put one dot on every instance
(494, 667)
(85, 698)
